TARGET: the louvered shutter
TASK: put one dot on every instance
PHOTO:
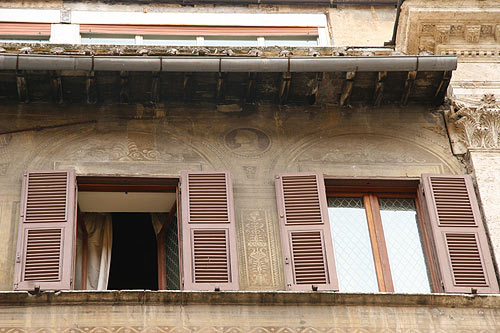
(208, 231)
(305, 232)
(461, 245)
(46, 236)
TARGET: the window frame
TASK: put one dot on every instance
(369, 193)
(126, 183)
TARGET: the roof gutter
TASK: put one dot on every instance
(227, 64)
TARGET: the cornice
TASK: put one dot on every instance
(468, 29)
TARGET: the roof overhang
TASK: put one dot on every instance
(226, 80)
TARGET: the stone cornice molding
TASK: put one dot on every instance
(474, 124)
(467, 29)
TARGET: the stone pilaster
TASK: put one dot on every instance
(474, 128)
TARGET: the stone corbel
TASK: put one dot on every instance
(474, 125)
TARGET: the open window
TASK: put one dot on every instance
(178, 233)
(414, 236)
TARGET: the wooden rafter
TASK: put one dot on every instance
(410, 80)
(286, 79)
(347, 88)
(379, 88)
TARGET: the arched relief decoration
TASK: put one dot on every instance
(138, 147)
(369, 155)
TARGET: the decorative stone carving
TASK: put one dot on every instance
(442, 34)
(434, 26)
(478, 126)
(472, 33)
(457, 30)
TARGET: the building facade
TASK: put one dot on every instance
(313, 166)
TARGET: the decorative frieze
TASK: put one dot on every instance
(432, 26)
(477, 125)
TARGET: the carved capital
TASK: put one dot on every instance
(472, 33)
(477, 124)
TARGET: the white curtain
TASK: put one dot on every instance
(99, 228)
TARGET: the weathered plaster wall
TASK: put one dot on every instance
(362, 25)
(129, 139)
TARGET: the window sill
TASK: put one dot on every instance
(23, 298)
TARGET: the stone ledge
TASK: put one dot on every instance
(131, 297)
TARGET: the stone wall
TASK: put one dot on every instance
(362, 25)
(230, 312)
(137, 140)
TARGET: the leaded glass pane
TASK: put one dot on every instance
(172, 255)
(404, 245)
(352, 246)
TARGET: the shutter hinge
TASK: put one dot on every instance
(289, 286)
(18, 258)
(71, 282)
(16, 285)
(287, 262)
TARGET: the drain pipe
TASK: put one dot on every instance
(392, 42)
(20, 62)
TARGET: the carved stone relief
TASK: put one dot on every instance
(475, 125)
(435, 27)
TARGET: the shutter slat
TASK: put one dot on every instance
(208, 224)
(46, 231)
(461, 244)
(305, 232)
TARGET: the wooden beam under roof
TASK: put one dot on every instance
(250, 90)
(410, 81)
(124, 87)
(155, 88)
(313, 96)
(57, 90)
(22, 87)
(347, 88)
(379, 88)
(91, 88)
(443, 86)
(286, 79)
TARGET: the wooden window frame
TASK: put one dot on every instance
(125, 183)
(370, 190)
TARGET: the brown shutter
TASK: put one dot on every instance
(208, 231)
(305, 232)
(46, 236)
(461, 245)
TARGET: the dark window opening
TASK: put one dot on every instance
(134, 258)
